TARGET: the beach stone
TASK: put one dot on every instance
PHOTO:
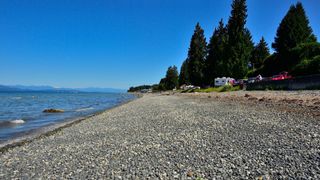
(189, 173)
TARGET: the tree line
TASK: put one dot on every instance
(231, 52)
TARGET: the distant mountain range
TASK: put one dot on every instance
(95, 89)
(21, 88)
(8, 89)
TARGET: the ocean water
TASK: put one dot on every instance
(22, 113)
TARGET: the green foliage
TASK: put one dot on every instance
(303, 51)
(196, 57)
(155, 87)
(252, 73)
(294, 42)
(139, 88)
(230, 49)
(237, 20)
(307, 50)
(259, 54)
(230, 46)
(270, 67)
(214, 61)
(162, 85)
(274, 63)
(187, 91)
(307, 67)
(183, 76)
(172, 78)
(226, 88)
(239, 45)
(294, 29)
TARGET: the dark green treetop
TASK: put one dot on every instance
(237, 20)
(293, 30)
(239, 45)
(259, 54)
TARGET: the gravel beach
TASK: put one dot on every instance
(178, 137)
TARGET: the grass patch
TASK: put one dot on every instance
(187, 91)
(226, 88)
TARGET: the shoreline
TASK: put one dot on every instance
(221, 96)
(53, 129)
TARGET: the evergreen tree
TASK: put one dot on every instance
(214, 60)
(196, 57)
(239, 45)
(183, 76)
(162, 85)
(293, 30)
(259, 54)
(171, 79)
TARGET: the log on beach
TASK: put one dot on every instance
(166, 137)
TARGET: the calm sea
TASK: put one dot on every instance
(21, 113)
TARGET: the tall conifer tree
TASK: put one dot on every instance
(196, 57)
(293, 30)
(240, 45)
(259, 54)
(214, 60)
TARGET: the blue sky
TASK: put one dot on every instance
(116, 43)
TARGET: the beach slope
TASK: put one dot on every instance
(160, 136)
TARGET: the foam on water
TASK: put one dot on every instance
(17, 121)
(84, 109)
(11, 123)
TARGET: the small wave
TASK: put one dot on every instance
(84, 109)
(11, 123)
(17, 121)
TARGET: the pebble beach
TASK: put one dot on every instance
(192, 136)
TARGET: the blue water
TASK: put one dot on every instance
(21, 113)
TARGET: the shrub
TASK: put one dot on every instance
(270, 67)
(297, 62)
(302, 52)
(307, 67)
(306, 50)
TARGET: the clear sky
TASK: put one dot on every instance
(116, 43)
